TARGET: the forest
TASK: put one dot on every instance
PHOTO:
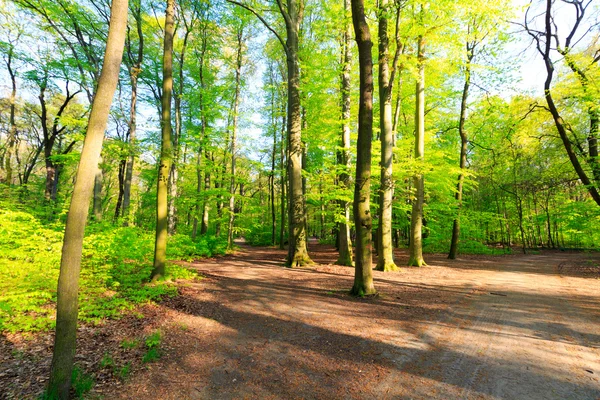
(142, 140)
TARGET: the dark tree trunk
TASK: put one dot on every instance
(363, 279)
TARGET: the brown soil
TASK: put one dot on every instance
(480, 327)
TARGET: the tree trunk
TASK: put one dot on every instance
(98, 178)
(203, 128)
(134, 72)
(166, 154)
(68, 281)
(416, 220)
(363, 279)
(283, 153)
(385, 249)
(297, 250)
(121, 184)
(561, 126)
(272, 182)
(463, 153)
(11, 140)
(236, 105)
(344, 239)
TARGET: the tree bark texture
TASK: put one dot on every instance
(463, 153)
(344, 239)
(416, 219)
(297, 250)
(363, 279)
(68, 281)
(166, 153)
(385, 248)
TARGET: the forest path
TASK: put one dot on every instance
(508, 327)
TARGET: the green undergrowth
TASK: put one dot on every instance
(116, 266)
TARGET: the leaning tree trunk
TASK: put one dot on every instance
(562, 127)
(463, 153)
(68, 281)
(416, 220)
(385, 249)
(166, 153)
(363, 279)
(344, 239)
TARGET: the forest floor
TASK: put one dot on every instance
(479, 327)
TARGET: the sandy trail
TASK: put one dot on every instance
(475, 328)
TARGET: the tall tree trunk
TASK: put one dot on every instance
(416, 220)
(297, 250)
(203, 128)
(363, 279)
(343, 156)
(198, 187)
(283, 154)
(385, 249)
(236, 105)
(166, 153)
(98, 178)
(132, 152)
(206, 204)
(272, 184)
(68, 282)
(463, 152)
(11, 140)
(121, 186)
(173, 181)
(134, 72)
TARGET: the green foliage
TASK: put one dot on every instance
(130, 343)
(116, 265)
(81, 382)
(259, 234)
(182, 247)
(152, 347)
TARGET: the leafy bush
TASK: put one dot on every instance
(116, 266)
(259, 235)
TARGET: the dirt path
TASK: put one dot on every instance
(482, 327)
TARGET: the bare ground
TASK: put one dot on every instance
(508, 327)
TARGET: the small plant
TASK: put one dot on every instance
(81, 382)
(107, 361)
(130, 343)
(153, 347)
(123, 372)
(153, 340)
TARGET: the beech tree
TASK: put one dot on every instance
(68, 282)
(363, 279)
(166, 153)
(548, 42)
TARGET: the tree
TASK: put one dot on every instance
(13, 31)
(240, 32)
(416, 220)
(546, 42)
(292, 13)
(363, 280)
(68, 281)
(166, 153)
(386, 191)
(135, 59)
(344, 240)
